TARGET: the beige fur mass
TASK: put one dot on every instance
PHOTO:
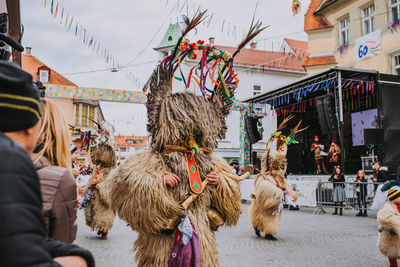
(98, 214)
(389, 238)
(141, 198)
(268, 193)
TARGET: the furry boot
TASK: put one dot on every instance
(270, 237)
(257, 231)
(103, 235)
(393, 262)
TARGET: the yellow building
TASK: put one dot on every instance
(336, 27)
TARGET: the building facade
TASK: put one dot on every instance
(336, 30)
(127, 145)
(78, 112)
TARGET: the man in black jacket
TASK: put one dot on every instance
(22, 239)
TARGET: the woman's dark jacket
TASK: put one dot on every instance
(339, 181)
(22, 239)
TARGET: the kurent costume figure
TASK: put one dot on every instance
(389, 221)
(271, 184)
(98, 214)
(150, 190)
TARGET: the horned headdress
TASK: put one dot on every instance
(277, 145)
(173, 117)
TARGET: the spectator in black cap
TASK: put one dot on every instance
(235, 165)
(22, 239)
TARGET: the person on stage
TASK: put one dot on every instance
(389, 221)
(318, 148)
(334, 155)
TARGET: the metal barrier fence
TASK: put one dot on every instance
(346, 195)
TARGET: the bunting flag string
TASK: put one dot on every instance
(352, 89)
(343, 48)
(395, 26)
(89, 41)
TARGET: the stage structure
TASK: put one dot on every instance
(340, 104)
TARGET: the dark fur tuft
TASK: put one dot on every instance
(103, 155)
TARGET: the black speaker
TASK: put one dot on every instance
(329, 105)
(373, 136)
(326, 115)
(321, 116)
(254, 129)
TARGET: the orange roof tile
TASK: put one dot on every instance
(314, 22)
(120, 140)
(264, 59)
(32, 65)
(298, 46)
(322, 60)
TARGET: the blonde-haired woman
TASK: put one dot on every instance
(361, 186)
(52, 160)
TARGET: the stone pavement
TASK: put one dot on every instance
(305, 239)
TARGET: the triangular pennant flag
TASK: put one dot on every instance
(70, 24)
(51, 7)
(62, 15)
(66, 20)
(55, 12)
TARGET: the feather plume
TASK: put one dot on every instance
(254, 30)
(194, 22)
(296, 130)
(198, 18)
(283, 123)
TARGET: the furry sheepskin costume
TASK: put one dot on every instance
(269, 187)
(142, 199)
(389, 238)
(98, 214)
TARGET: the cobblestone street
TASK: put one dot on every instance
(305, 239)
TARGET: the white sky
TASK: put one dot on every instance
(125, 27)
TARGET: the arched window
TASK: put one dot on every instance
(169, 38)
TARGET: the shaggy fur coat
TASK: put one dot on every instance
(389, 238)
(141, 198)
(268, 193)
(98, 214)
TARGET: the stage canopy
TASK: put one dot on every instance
(337, 103)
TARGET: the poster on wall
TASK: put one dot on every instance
(367, 119)
(306, 190)
(368, 45)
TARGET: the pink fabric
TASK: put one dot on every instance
(185, 255)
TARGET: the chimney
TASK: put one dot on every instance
(28, 50)
(211, 40)
(253, 45)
